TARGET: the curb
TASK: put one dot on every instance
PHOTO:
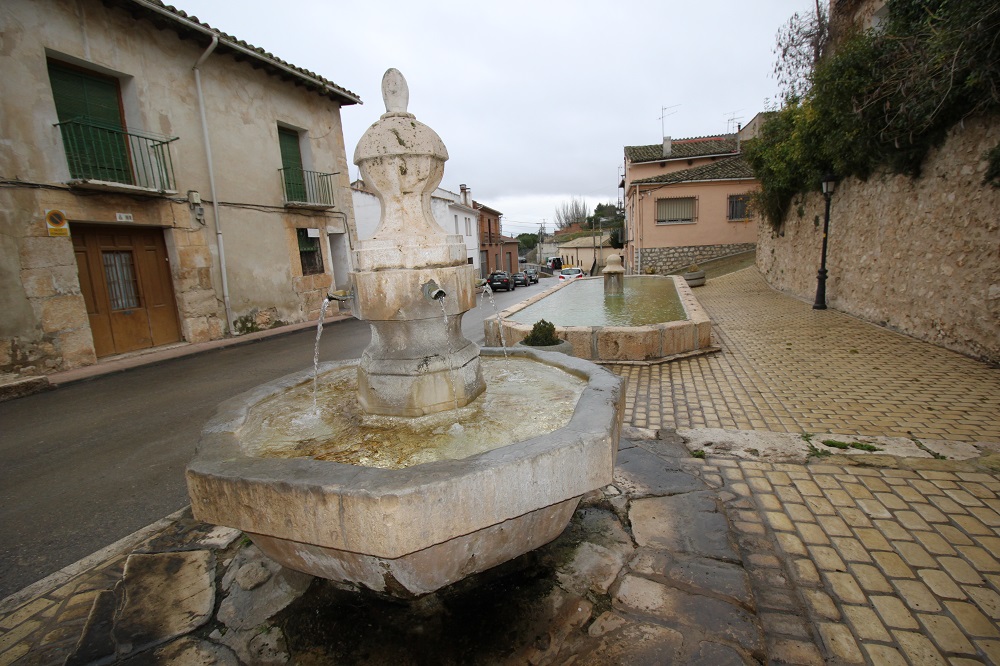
(28, 385)
(44, 586)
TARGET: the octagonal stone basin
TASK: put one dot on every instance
(409, 531)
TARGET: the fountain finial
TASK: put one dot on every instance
(395, 92)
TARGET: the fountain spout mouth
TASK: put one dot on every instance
(341, 295)
(432, 291)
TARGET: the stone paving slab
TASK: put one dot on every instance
(629, 581)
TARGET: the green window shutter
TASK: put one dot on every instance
(95, 140)
(291, 162)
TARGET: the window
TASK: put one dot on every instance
(310, 253)
(94, 133)
(468, 226)
(456, 224)
(119, 273)
(738, 207)
(291, 165)
(679, 210)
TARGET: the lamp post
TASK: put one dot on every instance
(829, 183)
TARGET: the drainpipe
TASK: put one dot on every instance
(211, 181)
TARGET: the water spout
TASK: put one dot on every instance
(432, 291)
(341, 295)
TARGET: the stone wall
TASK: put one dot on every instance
(921, 257)
(664, 260)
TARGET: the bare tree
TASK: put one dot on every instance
(799, 46)
(575, 210)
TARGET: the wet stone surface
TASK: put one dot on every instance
(647, 572)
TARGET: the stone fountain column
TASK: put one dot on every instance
(614, 276)
(412, 280)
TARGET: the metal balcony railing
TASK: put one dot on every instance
(99, 153)
(307, 188)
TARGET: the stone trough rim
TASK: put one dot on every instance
(385, 494)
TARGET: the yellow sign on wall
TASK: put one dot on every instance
(57, 223)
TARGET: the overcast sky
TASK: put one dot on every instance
(534, 100)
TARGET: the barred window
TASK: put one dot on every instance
(738, 207)
(310, 253)
(679, 210)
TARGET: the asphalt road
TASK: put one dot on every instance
(90, 463)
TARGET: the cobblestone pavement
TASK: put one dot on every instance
(785, 367)
(860, 559)
(893, 565)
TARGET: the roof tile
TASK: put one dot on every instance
(731, 168)
(698, 146)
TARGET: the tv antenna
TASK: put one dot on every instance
(731, 120)
(664, 114)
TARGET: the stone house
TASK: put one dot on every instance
(496, 251)
(452, 211)
(161, 180)
(686, 202)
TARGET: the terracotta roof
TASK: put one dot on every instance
(168, 17)
(699, 146)
(731, 168)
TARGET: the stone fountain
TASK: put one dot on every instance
(410, 530)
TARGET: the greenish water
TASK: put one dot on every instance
(647, 300)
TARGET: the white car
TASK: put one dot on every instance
(570, 274)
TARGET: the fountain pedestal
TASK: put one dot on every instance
(418, 361)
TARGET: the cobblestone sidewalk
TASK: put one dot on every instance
(785, 367)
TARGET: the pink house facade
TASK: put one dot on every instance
(686, 201)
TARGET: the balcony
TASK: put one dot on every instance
(115, 160)
(307, 189)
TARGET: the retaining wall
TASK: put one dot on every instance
(664, 260)
(920, 256)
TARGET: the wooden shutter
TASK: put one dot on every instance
(291, 162)
(96, 145)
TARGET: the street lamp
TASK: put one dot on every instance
(829, 183)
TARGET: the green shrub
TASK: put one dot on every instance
(543, 334)
(882, 101)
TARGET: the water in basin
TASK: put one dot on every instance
(528, 400)
(646, 300)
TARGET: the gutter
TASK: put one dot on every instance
(211, 181)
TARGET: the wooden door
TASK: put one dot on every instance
(125, 279)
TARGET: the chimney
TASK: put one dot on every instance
(466, 195)
(666, 146)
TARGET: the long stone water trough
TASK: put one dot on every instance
(649, 342)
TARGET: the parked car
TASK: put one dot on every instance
(532, 275)
(570, 274)
(500, 280)
(521, 279)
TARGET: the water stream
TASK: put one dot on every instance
(319, 334)
(503, 339)
(451, 360)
